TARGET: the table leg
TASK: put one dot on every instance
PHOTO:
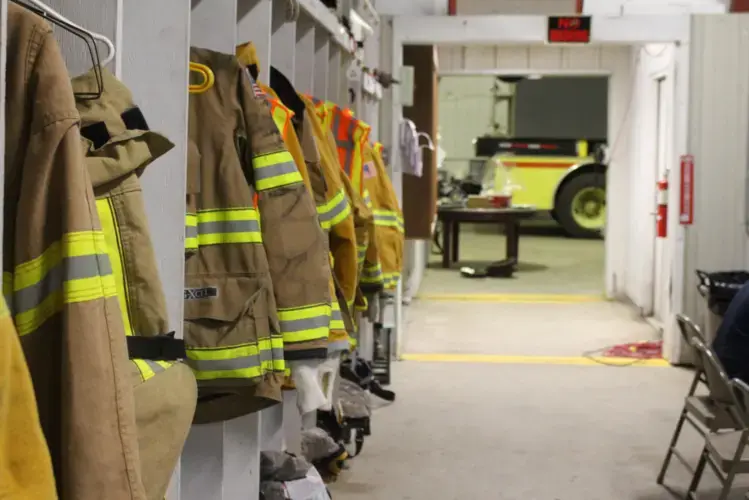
(512, 234)
(456, 241)
(446, 229)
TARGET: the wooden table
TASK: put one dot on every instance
(452, 217)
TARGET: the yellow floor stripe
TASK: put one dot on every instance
(513, 298)
(532, 360)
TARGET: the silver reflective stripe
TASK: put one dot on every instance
(191, 231)
(336, 315)
(229, 226)
(372, 272)
(71, 268)
(339, 345)
(271, 171)
(334, 211)
(154, 366)
(386, 220)
(271, 354)
(217, 365)
(299, 325)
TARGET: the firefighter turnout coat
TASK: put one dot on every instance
(257, 287)
(119, 146)
(58, 278)
(388, 218)
(25, 465)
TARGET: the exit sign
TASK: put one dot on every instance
(575, 29)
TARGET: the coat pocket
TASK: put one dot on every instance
(229, 330)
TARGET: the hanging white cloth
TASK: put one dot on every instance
(410, 150)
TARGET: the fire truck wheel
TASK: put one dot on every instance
(581, 205)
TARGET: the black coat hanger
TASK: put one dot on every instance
(87, 39)
(286, 92)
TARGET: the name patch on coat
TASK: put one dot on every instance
(208, 292)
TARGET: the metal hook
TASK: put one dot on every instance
(429, 145)
(208, 78)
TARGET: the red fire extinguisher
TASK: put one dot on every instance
(661, 213)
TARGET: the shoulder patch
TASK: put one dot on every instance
(369, 170)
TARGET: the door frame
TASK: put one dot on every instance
(627, 30)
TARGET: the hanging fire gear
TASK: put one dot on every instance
(338, 211)
(119, 146)
(259, 281)
(331, 209)
(57, 278)
(388, 218)
(351, 136)
(661, 214)
(25, 465)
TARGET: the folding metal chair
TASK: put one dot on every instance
(701, 412)
(725, 452)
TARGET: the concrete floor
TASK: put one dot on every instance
(549, 263)
(496, 402)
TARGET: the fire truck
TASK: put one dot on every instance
(566, 178)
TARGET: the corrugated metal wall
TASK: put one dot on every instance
(718, 133)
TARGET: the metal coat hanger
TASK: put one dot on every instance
(429, 145)
(86, 36)
(96, 36)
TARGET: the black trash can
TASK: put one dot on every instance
(719, 288)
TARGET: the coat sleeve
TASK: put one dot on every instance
(336, 214)
(294, 242)
(388, 220)
(25, 464)
(63, 298)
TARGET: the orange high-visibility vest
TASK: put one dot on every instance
(351, 134)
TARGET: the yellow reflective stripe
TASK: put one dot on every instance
(336, 317)
(75, 269)
(333, 211)
(149, 368)
(191, 231)
(234, 225)
(305, 323)
(274, 170)
(106, 213)
(390, 280)
(78, 244)
(245, 361)
(387, 218)
(372, 274)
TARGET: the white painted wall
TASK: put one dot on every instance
(630, 7)
(465, 112)
(649, 62)
(718, 137)
(504, 7)
(411, 7)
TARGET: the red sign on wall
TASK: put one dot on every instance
(575, 29)
(686, 201)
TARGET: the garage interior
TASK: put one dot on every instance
(308, 276)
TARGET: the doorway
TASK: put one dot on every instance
(547, 110)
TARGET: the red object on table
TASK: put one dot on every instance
(501, 201)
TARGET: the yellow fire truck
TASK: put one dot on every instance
(567, 178)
